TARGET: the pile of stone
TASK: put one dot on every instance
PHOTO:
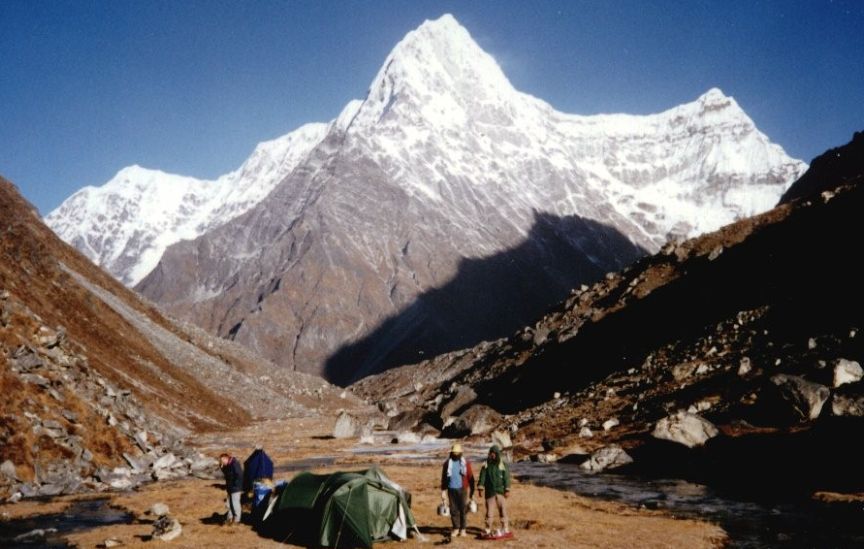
(75, 397)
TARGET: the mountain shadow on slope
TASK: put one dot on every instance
(828, 170)
(490, 297)
(799, 269)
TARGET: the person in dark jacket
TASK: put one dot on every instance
(233, 485)
(495, 482)
(457, 485)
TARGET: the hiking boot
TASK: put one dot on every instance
(454, 533)
(462, 533)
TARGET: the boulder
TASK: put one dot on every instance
(136, 464)
(51, 489)
(683, 371)
(347, 426)
(158, 509)
(141, 440)
(685, 428)
(847, 406)
(481, 419)
(7, 470)
(611, 423)
(609, 457)
(165, 462)
(847, 371)
(202, 463)
(166, 528)
(53, 428)
(463, 397)
(35, 379)
(407, 437)
(406, 421)
(585, 432)
(112, 542)
(544, 458)
(744, 366)
(805, 397)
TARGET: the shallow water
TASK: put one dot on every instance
(751, 522)
(79, 516)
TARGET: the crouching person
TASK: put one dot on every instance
(457, 485)
(494, 485)
(233, 473)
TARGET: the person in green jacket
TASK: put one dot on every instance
(495, 482)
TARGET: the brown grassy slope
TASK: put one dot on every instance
(30, 269)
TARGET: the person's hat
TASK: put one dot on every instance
(456, 449)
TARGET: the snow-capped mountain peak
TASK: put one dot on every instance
(441, 166)
(435, 70)
(126, 224)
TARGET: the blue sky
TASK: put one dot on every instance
(190, 87)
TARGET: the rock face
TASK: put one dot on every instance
(445, 191)
(806, 397)
(609, 457)
(685, 428)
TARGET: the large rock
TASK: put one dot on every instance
(685, 428)
(7, 470)
(406, 421)
(609, 457)
(347, 426)
(463, 397)
(158, 509)
(476, 420)
(847, 405)
(805, 397)
(166, 528)
(165, 462)
(847, 371)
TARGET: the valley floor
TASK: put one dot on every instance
(541, 517)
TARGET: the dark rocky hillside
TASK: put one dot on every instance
(744, 344)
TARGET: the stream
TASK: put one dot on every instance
(750, 521)
(80, 515)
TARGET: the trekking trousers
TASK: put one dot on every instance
(233, 504)
(499, 501)
(458, 507)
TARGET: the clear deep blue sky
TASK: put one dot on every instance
(88, 87)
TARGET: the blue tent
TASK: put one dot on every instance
(257, 466)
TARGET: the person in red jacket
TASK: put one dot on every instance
(457, 485)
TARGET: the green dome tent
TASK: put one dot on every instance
(339, 510)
